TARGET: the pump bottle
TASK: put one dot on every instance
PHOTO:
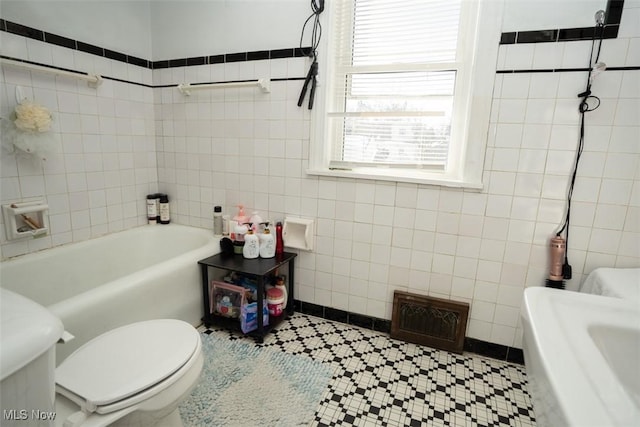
(267, 243)
(251, 248)
(240, 218)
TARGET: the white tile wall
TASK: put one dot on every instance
(240, 146)
(105, 162)
(375, 237)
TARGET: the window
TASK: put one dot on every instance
(399, 103)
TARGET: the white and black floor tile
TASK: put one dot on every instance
(380, 381)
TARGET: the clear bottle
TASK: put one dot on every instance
(217, 220)
(226, 225)
(239, 231)
(256, 220)
(240, 218)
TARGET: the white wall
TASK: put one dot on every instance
(160, 29)
(104, 162)
(189, 28)
(523, 15)
(242, 146)
(122, 26)
(232, 146)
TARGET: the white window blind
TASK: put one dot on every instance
(394, 70)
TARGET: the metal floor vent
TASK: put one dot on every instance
(430, 321)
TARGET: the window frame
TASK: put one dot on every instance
(467, 151)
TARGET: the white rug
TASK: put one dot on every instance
(245, 385)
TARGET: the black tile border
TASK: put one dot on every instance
(235, 57)
(336, 315)
(483, 348)
(89, 48)
(181, 62)
(508, 38)
(216, 59)
(613, 16)
(202, 60)
(495, 351)
(23, 30)
(60, 41)
(138, 61)
(258, 55)
(564, 70)
(54, 67)
(612, 24)
(117, 56)
(34, 33)
(537, 36)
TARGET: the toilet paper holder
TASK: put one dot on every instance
(299, 233)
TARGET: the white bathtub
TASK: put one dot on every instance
(144, 273)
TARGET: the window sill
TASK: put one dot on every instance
(414, 177)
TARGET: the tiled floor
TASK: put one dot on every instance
(379, 381)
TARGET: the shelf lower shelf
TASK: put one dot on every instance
(233, 324)
(258, 268)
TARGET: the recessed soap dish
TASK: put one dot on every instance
(298, 233)
(27, 219)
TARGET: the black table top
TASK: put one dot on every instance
(256, 266)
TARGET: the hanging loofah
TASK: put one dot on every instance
(29, 130)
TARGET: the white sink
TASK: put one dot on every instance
(621, 349)
(582, 355)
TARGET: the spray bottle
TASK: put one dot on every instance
(279, 241)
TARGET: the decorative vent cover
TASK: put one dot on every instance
(434, 322)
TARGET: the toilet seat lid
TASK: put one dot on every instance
(127, 360)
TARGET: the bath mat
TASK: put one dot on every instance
(245, 385)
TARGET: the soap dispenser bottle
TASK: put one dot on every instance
(267, 243)
(256, 220)
(240, 218)
(251, 248)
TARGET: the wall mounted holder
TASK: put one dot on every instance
(93, 80)
(27, 219)
(263, 84)
(298, 233)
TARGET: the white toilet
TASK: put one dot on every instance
(133, 375)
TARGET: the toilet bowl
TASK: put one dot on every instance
(133, 375)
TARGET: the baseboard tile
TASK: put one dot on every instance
(483, 348)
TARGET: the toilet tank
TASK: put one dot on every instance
(28, 334)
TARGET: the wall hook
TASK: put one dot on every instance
(20, 95)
